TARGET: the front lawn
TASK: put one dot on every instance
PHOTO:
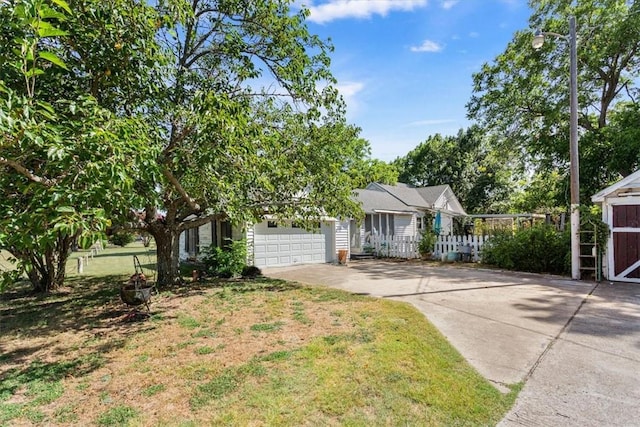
(260, 352)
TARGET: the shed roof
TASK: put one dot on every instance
(619, 188)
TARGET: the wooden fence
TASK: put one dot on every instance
(407, 247)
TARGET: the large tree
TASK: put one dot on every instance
(66, 162)
(480, 176)
(523, 95)
(249, 122)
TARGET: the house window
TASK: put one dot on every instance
(272, 224)
(192, 242)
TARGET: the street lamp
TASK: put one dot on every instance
(537, 43)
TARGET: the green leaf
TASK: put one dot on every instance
(63, 4)
(33, 72)
(54, 59)
(49, 30)
(65, 209)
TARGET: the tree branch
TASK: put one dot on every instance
(176, 184)
(25, 172)
(198, 221)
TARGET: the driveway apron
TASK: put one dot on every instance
(576, 344)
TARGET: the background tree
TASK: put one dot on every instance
(479, 175)
(522, 97)
(364, 170)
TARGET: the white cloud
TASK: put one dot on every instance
(349, 92)
(360, 9)
(448, 4)
(474, 35)
(427, 46)
(349, 89)
(431, 122)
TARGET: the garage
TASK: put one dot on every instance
(621, 211)
(283, 244)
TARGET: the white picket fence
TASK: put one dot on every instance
(407, 247)
(395, 246)
(461, 244)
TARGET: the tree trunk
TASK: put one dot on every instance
(48, 269)
(168, 247)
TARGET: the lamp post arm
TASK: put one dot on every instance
(557, 35)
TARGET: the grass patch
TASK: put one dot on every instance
(260, 352)
(154, 389)
(266, 327)
(188, 322)
(120, 415)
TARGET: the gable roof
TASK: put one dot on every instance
(630, 181)
(373, 201)
(437, 197)
(406, 194)
(432, 194)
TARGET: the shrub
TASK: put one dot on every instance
(538, 249)
(427, 242)
(226, 262)
(121, 238)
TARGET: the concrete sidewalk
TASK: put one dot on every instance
(515, 327)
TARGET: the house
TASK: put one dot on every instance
(272, 243)
(621, 212)
(389, 210)
(403, 210)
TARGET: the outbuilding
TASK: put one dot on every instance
(621, 211)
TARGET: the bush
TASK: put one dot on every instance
(226, 262)
(538, 249)
(427, 242)
(121, 238)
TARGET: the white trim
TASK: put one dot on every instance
(378, 211)
(626, 230)
(630, 269)
(601, 195)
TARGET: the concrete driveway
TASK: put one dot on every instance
(576, 344)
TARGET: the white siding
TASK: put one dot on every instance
(250, 233)
(404, 225)
(182, 254)
(204, 235)
(447, 224)
(341, 238)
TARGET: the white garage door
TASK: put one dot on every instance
(282, 245)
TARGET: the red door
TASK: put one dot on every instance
(626, 243)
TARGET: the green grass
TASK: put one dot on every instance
(115, 260)
(120, 415)
(266, 327)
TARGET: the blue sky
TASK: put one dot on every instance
(405, 67)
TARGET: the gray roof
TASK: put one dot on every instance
(407, 194)
(407, 198)
(373, 201)
(431, 194)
